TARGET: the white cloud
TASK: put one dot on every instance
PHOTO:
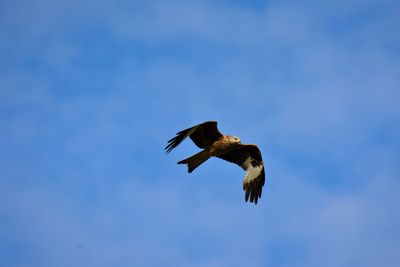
(291, 84)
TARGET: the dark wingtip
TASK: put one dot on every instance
(171, 144)
(175, 141)
(246, 196)
(252, 193)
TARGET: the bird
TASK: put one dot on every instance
(215, 144)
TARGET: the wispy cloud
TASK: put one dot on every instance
(91, 92)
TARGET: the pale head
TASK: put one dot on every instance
(233, 139)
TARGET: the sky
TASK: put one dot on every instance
(90, 92)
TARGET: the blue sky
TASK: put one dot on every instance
(90, 91)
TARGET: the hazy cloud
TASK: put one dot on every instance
(90, 92)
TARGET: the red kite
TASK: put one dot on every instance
(207, 137)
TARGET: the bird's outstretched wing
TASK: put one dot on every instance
(202, 135)
(249, 158)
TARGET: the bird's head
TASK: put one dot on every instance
(234, 140)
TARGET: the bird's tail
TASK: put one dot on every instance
(196, 160)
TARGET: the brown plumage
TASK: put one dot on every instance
(207, 137)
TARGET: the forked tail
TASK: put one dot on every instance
(196, 160)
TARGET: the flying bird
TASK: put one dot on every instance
(215, 144)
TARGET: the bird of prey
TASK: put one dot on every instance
(213, 143)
